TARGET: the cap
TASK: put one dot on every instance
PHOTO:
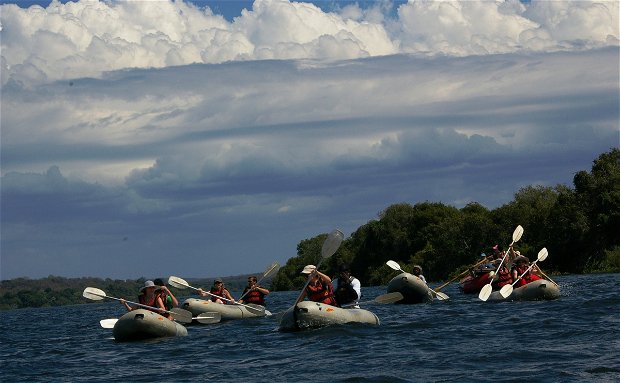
(308, 269)
(218, 280)
(417, 267)
(147, 284)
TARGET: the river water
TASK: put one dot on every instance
(573, 339)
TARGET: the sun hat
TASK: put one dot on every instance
(147, 284)
(308, 269)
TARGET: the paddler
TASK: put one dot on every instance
(347, 288)
(148, 297)
(319, 288)
(253, 293)
(218, 290)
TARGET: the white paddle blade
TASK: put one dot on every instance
(108, 323)
(506, 290)
(441, 296)
(332, 243)
(485, 293)
(181, 315)
(209, 318)
(516, 235)
(93, 293)
(177, 282)
(255, 309)
(542, 254)
(393, 265)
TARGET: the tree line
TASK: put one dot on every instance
(59, 291)
(578, 225)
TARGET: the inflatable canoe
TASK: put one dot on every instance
(541, 289)
(199, 306)
(308, 314)
(144, 324)
(473, 285)
(414, 289)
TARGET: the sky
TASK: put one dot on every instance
(208, 138)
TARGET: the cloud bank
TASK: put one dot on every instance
(144, 140)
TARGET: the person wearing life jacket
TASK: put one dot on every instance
(169, 300)
(218, 290)
(319, 288)
(253, 293)
(149, 297)
(503, 276)
(347, 288)
(521, 265)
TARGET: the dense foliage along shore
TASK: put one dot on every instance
(577, 225)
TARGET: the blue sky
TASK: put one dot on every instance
(193, 139)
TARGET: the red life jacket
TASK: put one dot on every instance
(152, 304)
(525, 279)
(504, 277)
(254, 296)
(219, 293)
(321, 293)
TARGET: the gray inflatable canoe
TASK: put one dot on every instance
(227, 312)
(541, 289)
(144, 324)
(414, 289)
(308, 314)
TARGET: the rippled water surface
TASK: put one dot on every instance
(573, 339)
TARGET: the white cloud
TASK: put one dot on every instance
(86, 38)
(228, 154)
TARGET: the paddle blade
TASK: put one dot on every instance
(332, 243)
(255, 309)
(441, 296)
(393, 265)
(485, 293)
(516, 235)
(389, 298)
(209, 318)
(506, 290)
(108, 323)
(181, 315)
(542, 254)
(93, 293)
(271, 270)
(177, 282)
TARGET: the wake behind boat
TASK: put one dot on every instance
(142, 324)
(308, 315)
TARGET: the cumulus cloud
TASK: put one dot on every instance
(197, 137)
(86, 38)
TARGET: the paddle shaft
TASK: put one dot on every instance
(461, 274)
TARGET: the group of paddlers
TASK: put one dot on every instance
(513, 266)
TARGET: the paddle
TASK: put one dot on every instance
(331, 244)
(381, 299)
(270, 270)
(179, 315)
(180, 283)
(439, 295)
(461, 274)
(202, 318)
(485, 293)
(547, 277)
(506, 290)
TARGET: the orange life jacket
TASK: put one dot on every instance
(254, 296)
(321, 293)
